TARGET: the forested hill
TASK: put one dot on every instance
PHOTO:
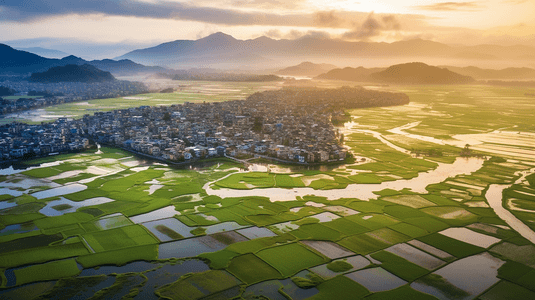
(73, 73)
(419, 73)
(340, 98)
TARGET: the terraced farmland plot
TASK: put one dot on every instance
(289, 259)
(251, 269)
(119, 238)
(419, 220)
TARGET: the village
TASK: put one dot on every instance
(57, 93)
(290, 125)
(184, 132)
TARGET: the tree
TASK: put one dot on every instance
(258, 123)
(166, 117)
(5, 91)
(466, 150)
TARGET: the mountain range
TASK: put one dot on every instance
(223, 51)
(503, 74)
(14, 61)
(44, 52)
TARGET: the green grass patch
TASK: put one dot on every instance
(20, 218)
(366, 206)
(372, 221)
(49, 271)
(123, 237)
(531, 179)
(286, 181)
(305, 221)
(86, 194)
(408, 229)
(42, 254)
(251, 269)
(198, 231)
(169, 232)
(61, 207)
(311, 281)
(439, 200)
(195, 286)
(119, 257)
(290, 259)
(42, 172)
(427, 223)
(244, 181)
(316, 232)
(388, 236)
(443, 285)
(366, 178)
(363, 244)
(452, 246)
(508, 290)
(339, 266)
(399, 266)
(63, 220)
(219, 259)
(345, 226)
(403, 212)
(403, 292)
(78, 177)
(340, 287)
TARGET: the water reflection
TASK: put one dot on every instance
(361, 191)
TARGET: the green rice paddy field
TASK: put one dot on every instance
(110, 227)
(186, 91)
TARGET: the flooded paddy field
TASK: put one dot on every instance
(185, 91)
(411, 219)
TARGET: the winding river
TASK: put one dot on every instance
(418, 184)
(360, 191)
(494, 197)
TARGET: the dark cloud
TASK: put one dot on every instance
(451, 6)
(372, 27)
(26, 10)
(327, 19)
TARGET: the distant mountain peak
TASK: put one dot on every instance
(420, 73)
(72, 73)
(6, 46)
(72, 58)
(13, 61)
(306, 68)
(218, 36)
(264, 38)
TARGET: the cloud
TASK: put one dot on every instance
(327, 19)
(373, 26)
(31, 10)
(516, 1)
(266, 4)
(273, 33)
(452, 6)
(296, 34)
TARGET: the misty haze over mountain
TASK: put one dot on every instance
(223, 51)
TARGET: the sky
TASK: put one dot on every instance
(108, 28)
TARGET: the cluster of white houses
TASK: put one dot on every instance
(287, 125)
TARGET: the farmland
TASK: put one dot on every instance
(392, 225)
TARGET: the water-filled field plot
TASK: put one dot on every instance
(415, 217)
